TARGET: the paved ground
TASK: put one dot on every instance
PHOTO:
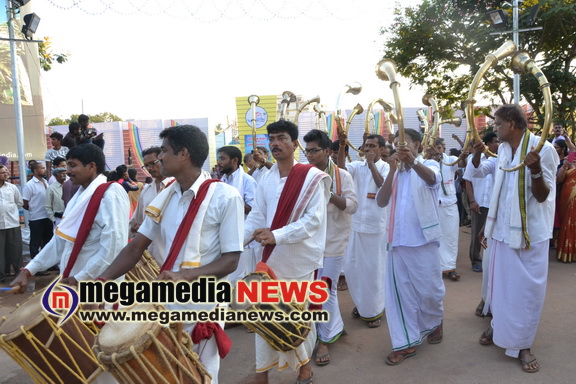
(359, 357)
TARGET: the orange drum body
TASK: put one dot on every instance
(145, 269)
(282, 336)
(48, 352)
(139, 352)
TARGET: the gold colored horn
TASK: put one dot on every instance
(505, 50)
(315, 99)
(455, 121)
(370, 116)
(320, 115)
(386, 70)
(424, 119)
(354, 88)
(287, 98)
(356, 111)
(253, 100)
(523, 63)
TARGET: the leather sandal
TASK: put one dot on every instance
(401, 355)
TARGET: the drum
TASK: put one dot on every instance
(281, 336)
(146, 352)
(47, 351)
(145, 269)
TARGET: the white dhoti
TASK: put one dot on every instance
(414, 294)
(365, 270)
(449, 227)
(486, 257)
(330, 331)
(517, 291)
(268, 358)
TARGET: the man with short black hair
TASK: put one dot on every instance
(293, 239)
(72, 138)
(520, 224)
(198, 222)
(53, 203)
(365, 262)
(59, 162)
(263, 163)
(10, 233)
(342, 204)
(57, 151)
(34, 196)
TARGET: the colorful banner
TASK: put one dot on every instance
(266, 113)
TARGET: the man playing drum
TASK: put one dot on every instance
(294, 237)
(211, 244)
(107, 235)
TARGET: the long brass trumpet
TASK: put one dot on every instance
(356, 111)
(523, 63)
(287, 98)
(505, 50)
(430, 101)
(354, 88)
(320, 115)
(424, 119)
(315, 99)
(370, 116)
(386, 70)
(253, 100)
(455, 121)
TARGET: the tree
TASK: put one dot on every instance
(47, 57)
(441, 44)
(104, 117)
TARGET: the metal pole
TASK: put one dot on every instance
(516, 38)
(16, 94)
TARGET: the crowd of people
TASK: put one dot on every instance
(388, 222)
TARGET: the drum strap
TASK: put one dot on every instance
(86, 226)
(185, 225)
(287, 201)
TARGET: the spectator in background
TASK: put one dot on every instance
(29, 170)
(249, 161)
(124, 179)
(148, 180)
(72, 138)
(4, 161)
(133, 196)
(10, 234)
(88, 134)
(58, 162)
(263, 163)
(559, 133)
(334, 148)
(566, 209)
(34, 196)
(57, 151)
(53, 203)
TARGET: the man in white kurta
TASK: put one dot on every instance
(214, 242)
(299, 245)
(520, 222)
(414, 287)
(230, 163)
(148, 194)
(448, 212)
(342, 204)
(365, 262)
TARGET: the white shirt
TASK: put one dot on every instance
(54, 202)
(52, 179)
(109, 234)
(407, 228)
(51, 154)
(539, 216)
(221, 231)
(447, 173)
(299, 245)
(369, 218)
(244, 183)
(10, 201)
(340, 221)
(259, 173)
(35, 193)
(483, 186)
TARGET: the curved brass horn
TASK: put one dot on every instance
(455, 121)
(354, 88)
(253, 100)
(315, 99)
(523, 63)
(430, 101)
(287, 98)
(424, 119)
(356, 111)
(505, 50)
(370, 116)
(320, 114)
(386, 70)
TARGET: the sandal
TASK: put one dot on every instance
(396, 357)
(526, 363)
(435, 337)
(486, 337)
(374, 324)
(309, 380)
(322, 359)
(454, 276)
(480, 309)
(477, 268)
(342, 285)
(355, 313)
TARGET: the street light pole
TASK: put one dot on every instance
(516, 39)
(16, 96)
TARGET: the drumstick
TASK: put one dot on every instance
(15, 289)
(248, 242)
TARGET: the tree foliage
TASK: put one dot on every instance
(441, 44)
(104, 117)
(47, 57)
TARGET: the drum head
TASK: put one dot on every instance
(28, 314)
(118, 337)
